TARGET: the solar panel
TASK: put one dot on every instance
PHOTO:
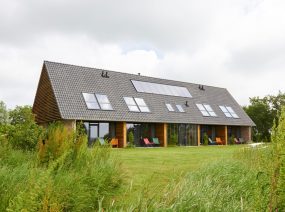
(157, 88)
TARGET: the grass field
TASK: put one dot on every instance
(154, 168)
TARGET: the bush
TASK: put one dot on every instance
(65, 175)
(205, 139)
(23, 133)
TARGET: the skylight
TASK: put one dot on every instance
(229, 112)
(156, 88)
(104, 102)
(136, 104)
(169, 107)
(180, 108)
(131, 104)
(142, 105)
(206, 110)
(92, 100)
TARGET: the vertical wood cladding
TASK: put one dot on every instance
(121, 133)
(246, 133)
(45, 106)
(161, 133)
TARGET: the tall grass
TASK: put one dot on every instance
(65, 175)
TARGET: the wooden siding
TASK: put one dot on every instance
(161, 133)
(246, 133)
(121, 133)
(45, 106)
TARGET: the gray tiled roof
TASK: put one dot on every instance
(69, 81)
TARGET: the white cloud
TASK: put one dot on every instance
(237, 44)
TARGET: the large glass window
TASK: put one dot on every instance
(97, 130)
(182, 134)
(136, 132)
(229, 112)
(142, 105)
(157, 88)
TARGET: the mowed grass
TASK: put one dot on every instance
(153, 168)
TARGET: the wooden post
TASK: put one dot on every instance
(121, 133)
(226, 135)
(161, 133)
(198, 134)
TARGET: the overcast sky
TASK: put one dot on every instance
(236, 44)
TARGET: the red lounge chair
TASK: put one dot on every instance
(147, 142)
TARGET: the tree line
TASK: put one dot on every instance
(265, 113)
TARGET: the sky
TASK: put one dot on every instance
(235, 44)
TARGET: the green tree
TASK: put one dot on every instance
(260, 112)
(23, 133)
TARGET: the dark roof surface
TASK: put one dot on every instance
(69, 82)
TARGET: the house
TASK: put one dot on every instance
(131, 107)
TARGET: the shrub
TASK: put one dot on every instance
(173, 139)
(205, 139)
(277, 201)
(68, 175)
(131, 139)
(23, 133)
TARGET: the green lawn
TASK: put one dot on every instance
(155, 167)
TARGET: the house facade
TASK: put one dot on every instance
(132, 107)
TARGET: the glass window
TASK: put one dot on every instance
(91, 101)
(210, 110)
(232, 112)
(169, 107)
(206, 110)
(140, 102)
(104, 102)
(131, 104)
(180, 108)
(142, 105)
(157, 88)
(229, 112)
(104, 130)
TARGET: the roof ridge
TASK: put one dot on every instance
(120, 72)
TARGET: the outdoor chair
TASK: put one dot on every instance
(241, 140)
(101, 141)
(219, 141)
(114, 142)
(147, 142)
(211, 142)
(237, 141)
(155, 141)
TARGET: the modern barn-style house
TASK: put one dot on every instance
(129, 106)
